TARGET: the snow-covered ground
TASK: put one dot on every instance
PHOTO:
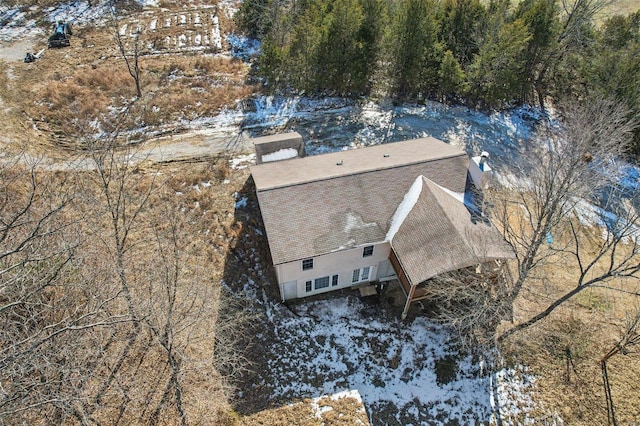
(19, 23)
(407, 373)
(332, 124)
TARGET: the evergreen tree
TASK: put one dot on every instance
(371, 35)
(541, 18)
(460, 25)
(256, 16)
(452, 79)
(304, 62)
(498, 73)
(417, 52)
(614, 67)
(342, 49)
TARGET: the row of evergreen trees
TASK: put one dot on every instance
(491, 55)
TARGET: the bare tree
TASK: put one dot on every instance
(472, 301)
(167, 291)
(112, 205)
(577, 17)
(131, 59)
(627, 344)
(183, 310)
(49, 310)
(612, 255)
(108, 312)
(567, 166)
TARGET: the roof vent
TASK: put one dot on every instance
(339, 163)
(386, 155)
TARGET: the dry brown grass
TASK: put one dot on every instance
(205, 207)
(78, 90)
(621, 7)
(205, 238)
(334, 412)
(564, 350)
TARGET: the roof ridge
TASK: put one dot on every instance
(356, 173)
(441, 194)
(353, 162)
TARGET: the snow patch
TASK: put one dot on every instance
(408, 202)
(460, 196)
(355, 222)
(148, 3)
(511, 390)
(281, 154)
(243, 161)
(243, 47)
(337, 344)
(216, 39)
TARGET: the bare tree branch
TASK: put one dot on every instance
(568, 169)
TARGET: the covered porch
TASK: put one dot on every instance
(485, 275)
(439, 234)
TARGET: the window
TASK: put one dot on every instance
(334, 281)
(307, 264)
(307, 286)
(321, 283)
(361, 274)
(367, 251)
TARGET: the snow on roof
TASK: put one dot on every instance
(405, 207)
(312, 206)
(440, 228)
(281, 154)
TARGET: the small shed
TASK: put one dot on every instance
(279, 147)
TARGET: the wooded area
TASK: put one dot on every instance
(489, 55)
(110, 312)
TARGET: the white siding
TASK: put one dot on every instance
(385, 269)
(479, 176)
(341, 263)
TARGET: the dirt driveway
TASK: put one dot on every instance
(15, 51)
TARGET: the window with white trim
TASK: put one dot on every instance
(321, 283)
(367, 251)
(361, 274)
(307, 286)
(307, 264)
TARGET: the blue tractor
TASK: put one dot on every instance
(62, 35)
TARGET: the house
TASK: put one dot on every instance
(392, 211)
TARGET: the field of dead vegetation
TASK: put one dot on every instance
(565, 350)
(68, 97)
(76, 94)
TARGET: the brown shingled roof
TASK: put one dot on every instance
(350, 162)
(440, 235)
(311, 206)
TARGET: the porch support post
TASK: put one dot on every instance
(407, 304)
(280, 282)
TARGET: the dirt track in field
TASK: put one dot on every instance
(16, 51)
(159, 32)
